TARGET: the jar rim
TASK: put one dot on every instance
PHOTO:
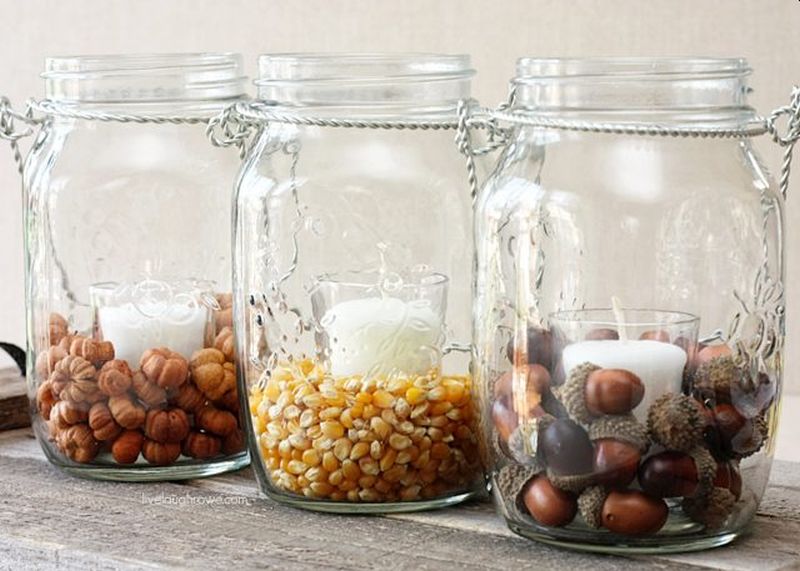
(605, 316)
(361, 67)
(534, 69)
(144, 77)
(361, 84)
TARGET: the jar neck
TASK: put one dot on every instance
(366, 85)
(671, 91)
(149, 83)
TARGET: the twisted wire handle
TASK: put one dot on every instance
(787, 140)
(8, 131)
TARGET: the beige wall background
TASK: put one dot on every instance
(767, 32)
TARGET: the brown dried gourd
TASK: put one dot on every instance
(216, 421)
(200, 445)
(166, 425)
(127, 446)
(126, 412)
(166, 368)
(45, 399)
(233, 442)
(58, 328)
(229, 401)
(102, 423)
(114, 378)
(148, 392)
(212, 374)
(224, 342)
(78, 443)
(160, 453)
(223, 317)
(64, 413)
(46, 360)
(96, 352)
(189, 398)
(74, 379)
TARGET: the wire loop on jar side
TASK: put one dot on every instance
(9, 132)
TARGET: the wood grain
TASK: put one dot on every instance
(14, 412)
(49, 519)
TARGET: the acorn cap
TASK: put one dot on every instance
(573, 483)
(590, 505)
(706, 470)
(747, 444)
(622, 427)
(713, 379)
(711, 510)
(676, 422)
(510, 481)
(572, 393)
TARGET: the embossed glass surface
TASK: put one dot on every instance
(128, 236)
(352, 286)
(629, 315)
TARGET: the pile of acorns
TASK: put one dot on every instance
(168, 407)
(583, 451)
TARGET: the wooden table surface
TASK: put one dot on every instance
(49, 519)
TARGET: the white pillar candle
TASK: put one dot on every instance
(383, 332)
(133, 329)
(659, 365)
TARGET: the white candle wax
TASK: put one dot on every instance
(133, 330)
(659, 365)
(394, 335)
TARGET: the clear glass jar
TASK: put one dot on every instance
(629, 309)
(352, 283)
(131, 365)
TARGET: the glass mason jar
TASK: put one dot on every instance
(352, 284)
(629, 316)
(131, 365)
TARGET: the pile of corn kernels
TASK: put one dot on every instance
(376, 440)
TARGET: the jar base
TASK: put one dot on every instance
(367, 508)
(148, 473)
(637, 546)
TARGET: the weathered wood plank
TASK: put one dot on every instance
(48, 518)
(14, 412)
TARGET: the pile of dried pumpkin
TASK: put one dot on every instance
(169, 406)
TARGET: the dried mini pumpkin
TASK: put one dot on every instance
(58, 328)
(96, 352)
(102, 423)
(210, 373)
(200, 445)
(229, 401)
(45, 399)
(46, 361)
(149, 393)
(189, 398)
(166, 425)
(224, 342)
(233, 442)
(166, 368)
(127, 413)
(74, 379)
(64, 414)
(78, 443)
(160, 453)
(114, 378)
(212, 419)
(223, 317)
(127, 446)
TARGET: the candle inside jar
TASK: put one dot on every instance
(133, 329)
(658, 365)
(382, 334)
